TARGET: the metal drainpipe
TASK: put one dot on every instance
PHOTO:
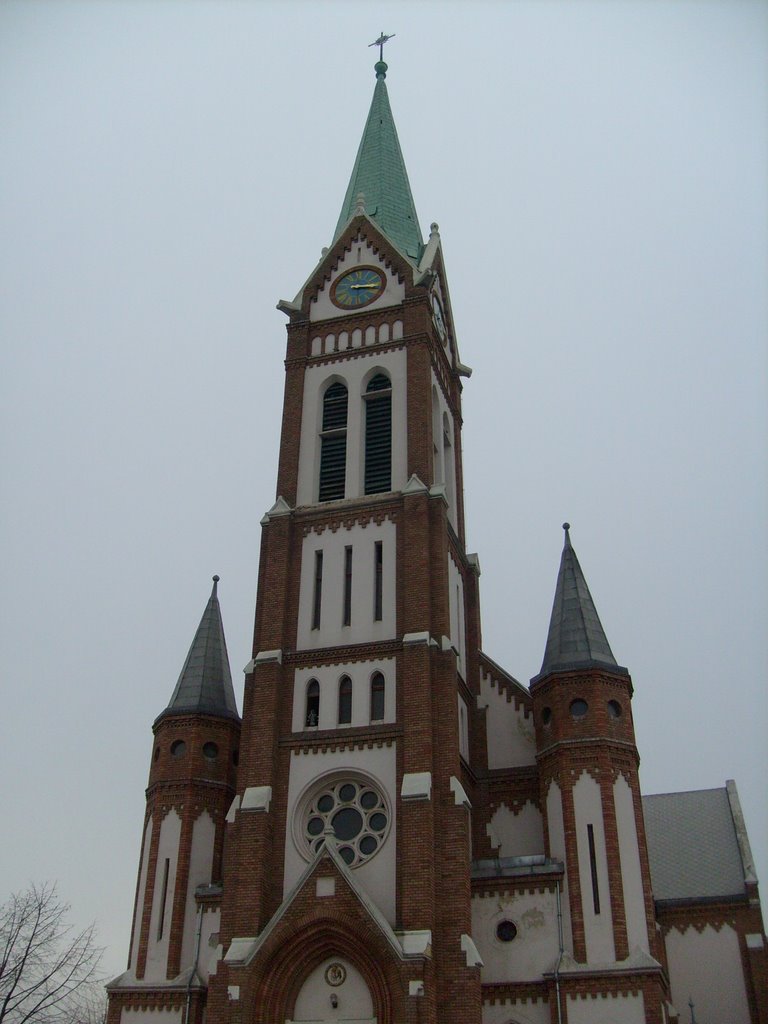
(560, 956)
(197, 958)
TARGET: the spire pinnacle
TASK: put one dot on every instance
(204, 686)
(379, 174)
(576, 637)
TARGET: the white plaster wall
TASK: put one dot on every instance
(554, 811)
(535, 947)
(355, 374)
(363, 628)
(510, 735)
(626, 1008)
(706, 967)
(457, 615)
(140, 900)
(168, 847)
(209, 942)
(377, 875)
(598, 928)
(321, 307)
(200, 866)
(631, 873)
(535, 1011)
(129, 1015)
(516, 835)
(313, 1002)
(328, 677)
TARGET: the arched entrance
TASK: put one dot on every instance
(334, 990)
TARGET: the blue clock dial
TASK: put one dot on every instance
(357, 288)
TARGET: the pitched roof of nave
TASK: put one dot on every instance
(379, 174)
(205, 684)
(576, 637)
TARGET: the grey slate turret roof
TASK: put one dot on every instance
(205, 684)
(380, 176)
(576, 637)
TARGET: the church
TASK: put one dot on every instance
(396, 830)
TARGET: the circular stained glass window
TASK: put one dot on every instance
(356, 812)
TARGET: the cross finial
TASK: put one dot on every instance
(380, 43)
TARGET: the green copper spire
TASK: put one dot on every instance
(380, 175)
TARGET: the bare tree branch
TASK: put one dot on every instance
(47, 974)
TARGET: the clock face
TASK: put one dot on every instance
(357, 288)
(437, 314)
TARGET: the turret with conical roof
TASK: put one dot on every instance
(588, 762)
(191, 786)
(379, 175)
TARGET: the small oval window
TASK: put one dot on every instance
(614, 709)
(546, 716)
(210, 751)
(505, 931)
(157, 753)
(178, 748)
(579, 707)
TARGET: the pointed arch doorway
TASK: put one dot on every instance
(335, 990)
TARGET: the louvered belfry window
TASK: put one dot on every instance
(378, 435)
(333, 443)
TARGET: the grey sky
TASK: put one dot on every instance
(170, 170)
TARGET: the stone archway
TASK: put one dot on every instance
(334, 990)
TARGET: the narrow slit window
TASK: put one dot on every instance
(345, 700)
(377, 697)
(378, 581)
(312, 713)
(378, 435)
(333, 444)
(347, 620)
(593, 868)
(163, 898)
(317, 593)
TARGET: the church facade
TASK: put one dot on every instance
(396, 830)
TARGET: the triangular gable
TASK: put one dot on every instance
(326, 864)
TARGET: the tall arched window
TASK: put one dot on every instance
(377, 697)
(378, 435)
(345, 700)
(449, 465)
(333, 443)
(312, 712)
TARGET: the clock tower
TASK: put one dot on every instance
(346, 890)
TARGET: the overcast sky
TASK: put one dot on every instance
(169, 170)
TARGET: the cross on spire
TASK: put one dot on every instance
(380, 43)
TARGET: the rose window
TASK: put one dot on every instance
(356, 812)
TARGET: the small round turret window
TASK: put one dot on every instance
(178, 748)
(210, 751)
(546, 716)
(355, 811)
(579, 708)
(614, 709)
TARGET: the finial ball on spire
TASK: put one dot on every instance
(566, 527)
(216, 579)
